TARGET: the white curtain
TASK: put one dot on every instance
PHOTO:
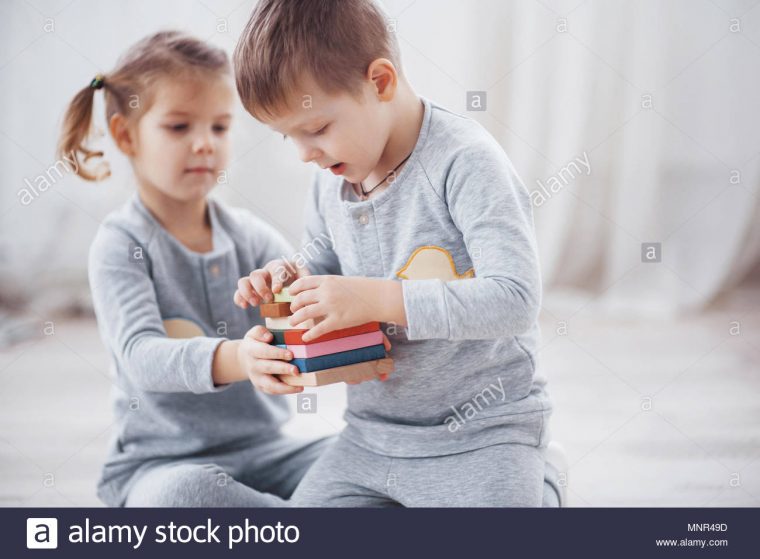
(660, 98)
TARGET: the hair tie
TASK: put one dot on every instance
(98, 82)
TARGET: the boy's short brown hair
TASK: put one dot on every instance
(331, 41)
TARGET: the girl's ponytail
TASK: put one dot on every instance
(77, 125)
(129, 87)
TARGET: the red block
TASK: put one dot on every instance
(294, 337)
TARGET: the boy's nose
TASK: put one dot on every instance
(307, 153)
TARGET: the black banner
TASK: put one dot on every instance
(303, 533)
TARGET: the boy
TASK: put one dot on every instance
(409, 192)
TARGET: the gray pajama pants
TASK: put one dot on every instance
(261, 475)
(502, 475)
(346, 475)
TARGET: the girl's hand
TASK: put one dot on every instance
(261, 285)
(336, 302)
(261, 361)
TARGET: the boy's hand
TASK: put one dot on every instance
(261, 361)
(381, 376)
(261, 285)
(337, 302)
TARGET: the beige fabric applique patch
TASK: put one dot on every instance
(432, 262)
(181, 328)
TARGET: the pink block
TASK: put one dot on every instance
(336, 346)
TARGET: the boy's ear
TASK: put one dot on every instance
(383, 75)
(121, 134)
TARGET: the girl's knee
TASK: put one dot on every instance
(183, 485)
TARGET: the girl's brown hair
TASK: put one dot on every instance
(129, 87)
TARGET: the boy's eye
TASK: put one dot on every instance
(220, 128)
(321, 130)
(177, 127)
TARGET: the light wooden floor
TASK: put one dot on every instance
(696, 442)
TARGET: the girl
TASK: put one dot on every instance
(160, 272)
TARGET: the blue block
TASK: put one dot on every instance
(311, 364)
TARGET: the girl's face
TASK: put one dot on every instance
(181, 144)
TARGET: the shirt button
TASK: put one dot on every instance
(364, 219)
(215, 270)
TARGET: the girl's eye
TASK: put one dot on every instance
(178, 127)
(321, 130)
(220, 128)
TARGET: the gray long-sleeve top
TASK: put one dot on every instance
(149, 292)
(456, 228)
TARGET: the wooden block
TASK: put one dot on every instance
(294, 335)
(356, 373)
(283, 324)
(283, 296)
(279, 336)
(311, 364)
(335, 346)
(275, 310)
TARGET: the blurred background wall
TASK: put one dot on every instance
(659, 97)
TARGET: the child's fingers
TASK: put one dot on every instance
(309, 311)
(270, 367)
(259, 333)
(244, 287)
(308, 297)
(273, 385)
(239, 300)
(260, 347)
(306, 282)
(280, 271)
(261, 280)
(266, 351)
(324, 327)
(387, 343)
(302, 272)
